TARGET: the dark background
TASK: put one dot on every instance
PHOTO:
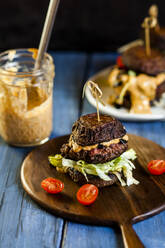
(88, 25)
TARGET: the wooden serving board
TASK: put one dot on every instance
(115, 204)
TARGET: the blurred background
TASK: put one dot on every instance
(84, 25)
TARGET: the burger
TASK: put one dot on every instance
(137, 82)
(97, 153)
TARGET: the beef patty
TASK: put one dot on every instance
(136, 59)
(88, 131)
(101, 154)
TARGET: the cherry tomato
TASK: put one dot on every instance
(120, 62)
(156, 167)
(87, 194)
(52, 185)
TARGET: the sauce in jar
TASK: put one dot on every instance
(25, 98)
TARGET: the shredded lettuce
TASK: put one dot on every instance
(131, 73)
(121, 165)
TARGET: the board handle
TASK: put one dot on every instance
(130, 238)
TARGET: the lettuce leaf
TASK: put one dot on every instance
(116, 166)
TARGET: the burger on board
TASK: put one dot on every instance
(97, 153)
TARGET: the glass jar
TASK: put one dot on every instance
(25, 97)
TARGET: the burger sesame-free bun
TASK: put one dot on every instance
(79, 178)
(88, 131)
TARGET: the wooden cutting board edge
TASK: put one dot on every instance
(86, 219)
(71, 217)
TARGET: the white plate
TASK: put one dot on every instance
(158, 113)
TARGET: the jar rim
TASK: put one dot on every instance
(24, 52)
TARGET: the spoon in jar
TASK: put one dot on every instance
(46, 32)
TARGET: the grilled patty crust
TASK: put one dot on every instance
(79, 178)
(101, 154)
(88, 131)
(136, 59)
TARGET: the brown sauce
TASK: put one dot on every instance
(78, 148)
(141, 88)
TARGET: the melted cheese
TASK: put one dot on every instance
(78, 148)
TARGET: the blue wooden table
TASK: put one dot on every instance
(24, 224)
